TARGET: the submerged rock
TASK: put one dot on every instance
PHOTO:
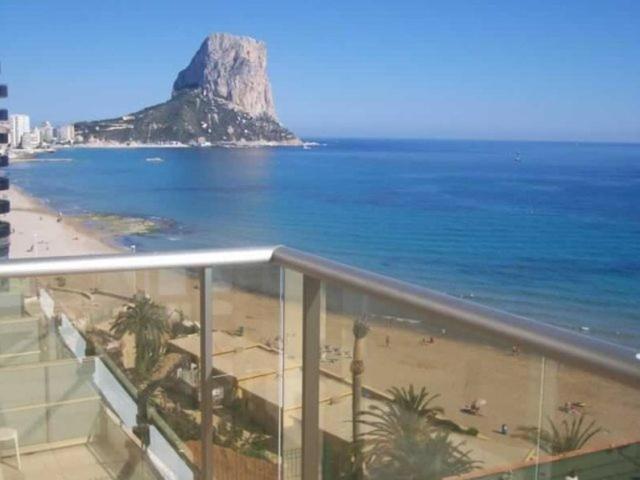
(119, 225)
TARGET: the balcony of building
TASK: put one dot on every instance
(273, 364)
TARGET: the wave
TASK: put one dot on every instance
(397, 319)
(309, 145)
(53, 160)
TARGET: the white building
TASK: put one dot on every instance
(19, 125)
(66, 134)
(36, 135)
(46, 133)
(31, 140)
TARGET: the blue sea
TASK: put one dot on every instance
(546, 230)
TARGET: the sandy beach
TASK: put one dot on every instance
(37, 231)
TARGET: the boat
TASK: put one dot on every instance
(154, 160)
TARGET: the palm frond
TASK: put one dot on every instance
(565, 437)
(148, 322)
(403, 440)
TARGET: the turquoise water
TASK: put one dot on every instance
(547, 230)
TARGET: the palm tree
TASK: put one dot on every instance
(569, 437)
(147, 322)
(360, 331)
(404, 439)
(415, 402)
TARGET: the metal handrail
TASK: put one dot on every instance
(604, 357)
(140, 261)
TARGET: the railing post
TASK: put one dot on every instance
(281, 368)
(206, 365)
(313, 305)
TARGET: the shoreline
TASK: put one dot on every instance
(38, 232)
(222, 144)
(19, 156)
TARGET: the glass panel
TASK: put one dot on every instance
(428, 400)
(90, 375)
(292, 386)
(587, 429)
(247, 372)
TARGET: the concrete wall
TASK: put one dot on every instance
(620, 462)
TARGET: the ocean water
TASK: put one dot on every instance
(546, 230)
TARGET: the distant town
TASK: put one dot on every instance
(25, 138)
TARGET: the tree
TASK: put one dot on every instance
(569, 436)
(414, 402)
(404, 439)
(147, 322)
(360, 331)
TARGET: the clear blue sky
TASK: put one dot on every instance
(511, 69)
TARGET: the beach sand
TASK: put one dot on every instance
(38, 233)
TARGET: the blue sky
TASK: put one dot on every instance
(513, 69)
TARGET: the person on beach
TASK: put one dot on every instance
(387, 341)
(474, 407)
(569, 407)
(426, 342)
(515, 350)
(59, 219)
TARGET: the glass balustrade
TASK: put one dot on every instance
(408, 393)
(291, 370)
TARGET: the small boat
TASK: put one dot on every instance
(154, 160)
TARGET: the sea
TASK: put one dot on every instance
(550, 231)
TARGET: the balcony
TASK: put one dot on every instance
(274, 364)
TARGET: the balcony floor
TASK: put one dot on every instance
(69, 463)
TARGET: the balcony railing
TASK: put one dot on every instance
(272, 363)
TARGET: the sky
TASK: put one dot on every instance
(512, 69)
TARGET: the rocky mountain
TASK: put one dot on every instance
(222, 97)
